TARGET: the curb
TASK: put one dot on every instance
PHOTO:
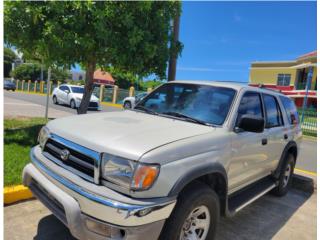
(15, 194)
(303, 183)
(111, 104)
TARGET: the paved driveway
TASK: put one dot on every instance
(291, 217)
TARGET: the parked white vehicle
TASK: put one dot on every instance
(130, 102)
(72, 95)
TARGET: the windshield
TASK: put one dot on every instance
(77, 89)
(205, 103)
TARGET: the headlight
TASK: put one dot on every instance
(43, 136)
(129, 174)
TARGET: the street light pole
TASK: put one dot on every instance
(48, 92)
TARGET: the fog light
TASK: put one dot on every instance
(103, 229)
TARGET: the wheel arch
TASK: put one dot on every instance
(292, 148)
(213, 175)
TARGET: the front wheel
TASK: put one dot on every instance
(73, 104)
(55, 100)
(127, 105)
(195, 216)
(285, 177)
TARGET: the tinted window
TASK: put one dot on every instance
(273, 113)
(291, 110)
(202, 102)
(63, 88)
(250, 104)
(77, 89)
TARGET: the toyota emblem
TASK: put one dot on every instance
(64, 154)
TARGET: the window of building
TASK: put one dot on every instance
(273, 112)
(284, 79)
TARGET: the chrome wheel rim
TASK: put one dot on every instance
(197, 224)
(72, 104)
(287, 174)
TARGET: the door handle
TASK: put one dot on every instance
(285, 136)
(264, 141)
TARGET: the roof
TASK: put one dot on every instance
(308, 55)
(101, 75)
(235, 85)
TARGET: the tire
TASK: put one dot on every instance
(285, 177)
(127, 105)
(73, 104)
(55, 100)
(196, 196)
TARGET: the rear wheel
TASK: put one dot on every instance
(195, 216)
(285, 178)
(127, 105)
(73, 104)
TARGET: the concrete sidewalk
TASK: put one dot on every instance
(291, 217)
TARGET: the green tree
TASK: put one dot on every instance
(132, 36)
(32, 71)
(8, 58)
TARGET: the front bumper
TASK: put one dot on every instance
(94, 105)
(75, 207)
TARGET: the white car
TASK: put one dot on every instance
(130, 102)
(72, 95)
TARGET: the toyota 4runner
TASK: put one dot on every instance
(188, 153)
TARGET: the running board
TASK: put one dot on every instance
(243, 198)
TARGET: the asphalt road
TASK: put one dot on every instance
(27, 103)
(41, 100)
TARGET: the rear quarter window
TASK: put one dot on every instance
(291, 110)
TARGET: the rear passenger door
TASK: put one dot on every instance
(275, 131)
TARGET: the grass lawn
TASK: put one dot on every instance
(20, 134)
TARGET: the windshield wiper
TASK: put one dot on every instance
(188, 118)
(147, 110)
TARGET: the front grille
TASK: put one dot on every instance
(93, 104)
(77, 161)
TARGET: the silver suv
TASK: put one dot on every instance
(188, 153)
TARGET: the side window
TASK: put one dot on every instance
(291, 110)
(62, 88)
(250, 104)
(273, 113)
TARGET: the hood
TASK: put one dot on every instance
(127, 133)
(80, 95)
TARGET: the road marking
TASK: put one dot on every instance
(305, 171)
(22, 104)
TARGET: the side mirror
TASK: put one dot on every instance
(250, 123)
(67, 91)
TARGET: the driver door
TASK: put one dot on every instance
(63, 94)
(248, 149)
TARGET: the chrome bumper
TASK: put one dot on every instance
(75, 202)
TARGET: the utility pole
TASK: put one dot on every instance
(308, 86)
(173, 57)
(48, 93)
